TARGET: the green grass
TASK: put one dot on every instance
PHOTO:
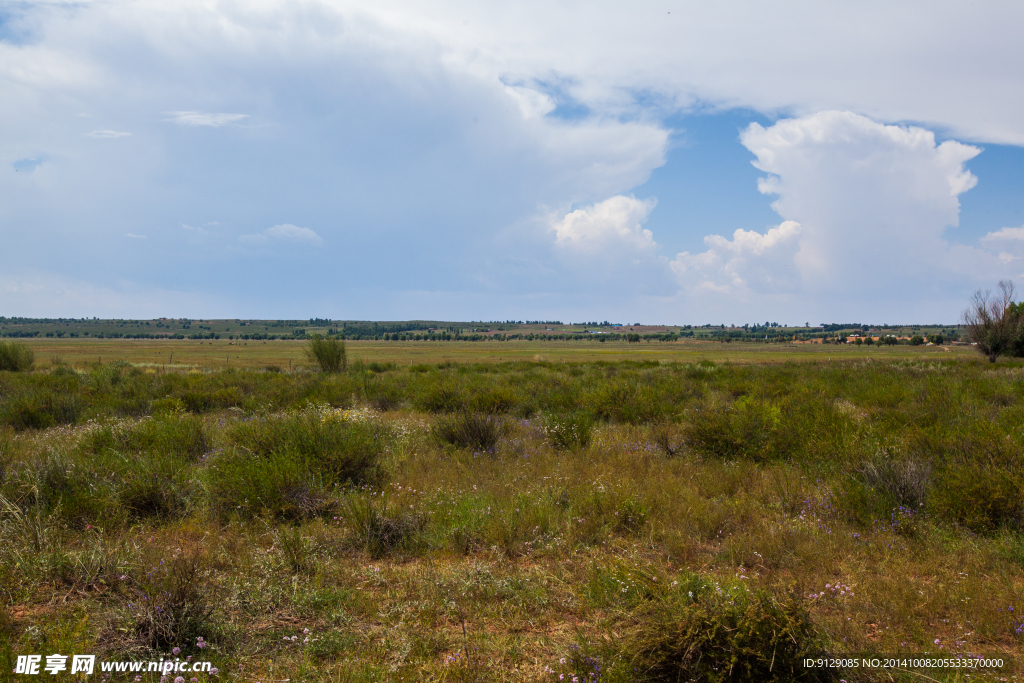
(635, 520)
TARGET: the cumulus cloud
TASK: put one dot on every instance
(285, 232)
(866, 208)
(611, 226)
(105, 134)
(198, 118)
(1008, 243)
(749, 260)
(870, 198)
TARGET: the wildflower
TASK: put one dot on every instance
(214, 671)
(936, 641)
(179, 679)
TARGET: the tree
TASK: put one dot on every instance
(993, 322)
(916, 340)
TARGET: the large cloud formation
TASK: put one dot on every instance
(866, 209)
(432, 142)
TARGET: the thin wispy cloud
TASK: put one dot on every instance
(107, 134)
(285, 232)
(198, 118)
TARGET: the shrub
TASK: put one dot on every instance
(327, 353)
(981, 497)
(746, 429)
(724, 634)
(380, 530)
(278, 485)
(40, 408)
(570, 432)
(171, 604)
(337, 449)
(468, 430)
(16, 356)
(905, 479)
(182, 436)
(665, 436)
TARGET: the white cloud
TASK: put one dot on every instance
(750, 261)
(610, 226)
(866, 208)
(105, 134)
(285, 232)
(870, 198)
(198, 118)
(1008, 243)
(134, 236)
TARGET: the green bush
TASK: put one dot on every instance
(747, 429)
(16, 356)
(40, 408)
(184, 436)
(379, 529)
(278, 485)
(706, 632)
(171, 604)
(980, 496)
(570, 432)
(468, 430)
(327, 353)
(338, 450)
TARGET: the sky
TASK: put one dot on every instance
(658, 162)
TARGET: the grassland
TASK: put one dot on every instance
(289, 354)
(520, 512)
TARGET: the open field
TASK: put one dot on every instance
(221, 354)
(441, 517)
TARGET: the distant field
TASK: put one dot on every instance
(222, 353)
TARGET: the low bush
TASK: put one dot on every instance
(327, 353)
(570, 432)
(338, 450)
(380, 529)
(171, 604)
(278, 485)
(16, 356)
(468, 430)
(184, 436)
(904, 479)
(706, 632)
(746, 429)
(980, 496)
(40, 408)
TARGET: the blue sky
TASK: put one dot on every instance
(667, 162)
